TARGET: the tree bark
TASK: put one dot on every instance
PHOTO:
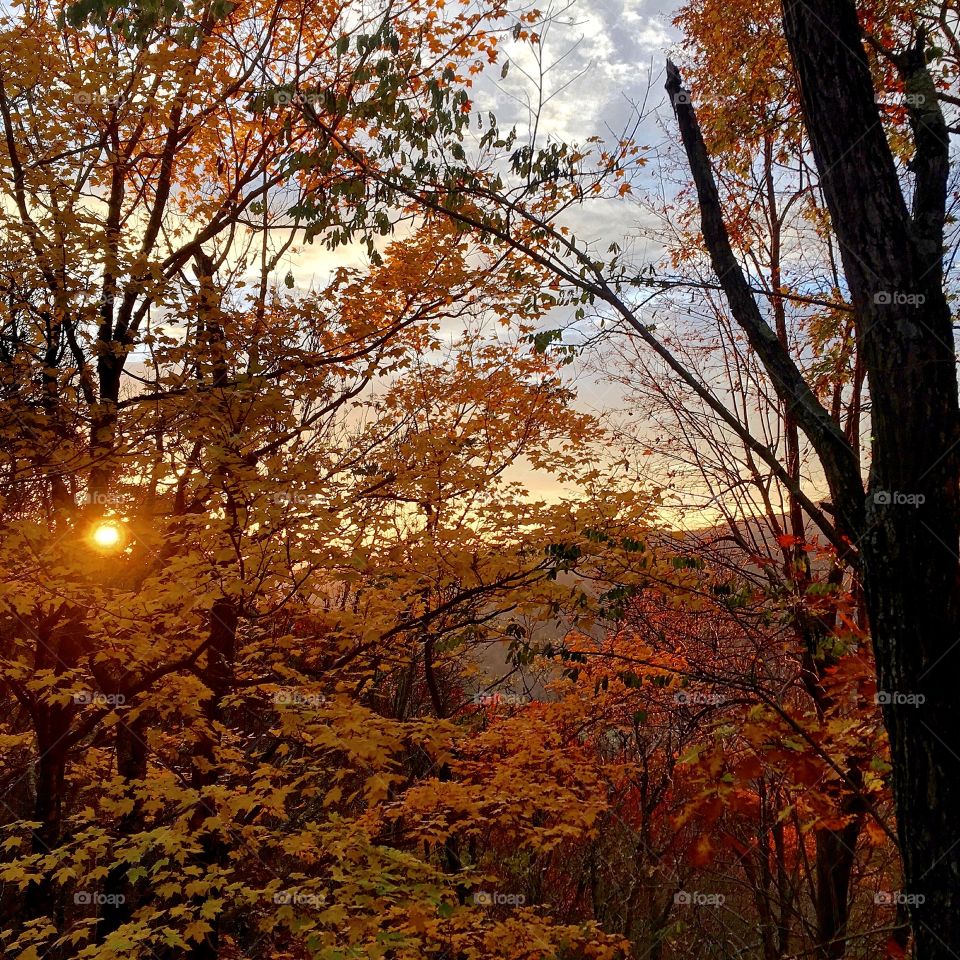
(892, 262)
(119, 892)
(907, 527)
(836, 850)
(218, 676)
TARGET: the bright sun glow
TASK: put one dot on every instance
(106, 535)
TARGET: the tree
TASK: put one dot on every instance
(900, 533)
(258, 540)
(747, 106)
(892, 264)
(255, 535)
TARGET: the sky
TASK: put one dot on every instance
(603, 62)
(598, 54)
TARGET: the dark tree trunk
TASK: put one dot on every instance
(57, 648)
(48, 804)
(907, 526)
(911, 534)
(836, 849)
(119, 893)
(218, 677)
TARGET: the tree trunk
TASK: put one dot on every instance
(835, 857)
(48, 804)
(218, 677)
(120, 893)
(909, 542)
(907, 527)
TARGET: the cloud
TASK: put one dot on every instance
(596, 60)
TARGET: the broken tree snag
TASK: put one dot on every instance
(835, 452)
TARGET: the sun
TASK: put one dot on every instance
(106, 535)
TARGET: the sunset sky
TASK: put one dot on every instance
(604, 66)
